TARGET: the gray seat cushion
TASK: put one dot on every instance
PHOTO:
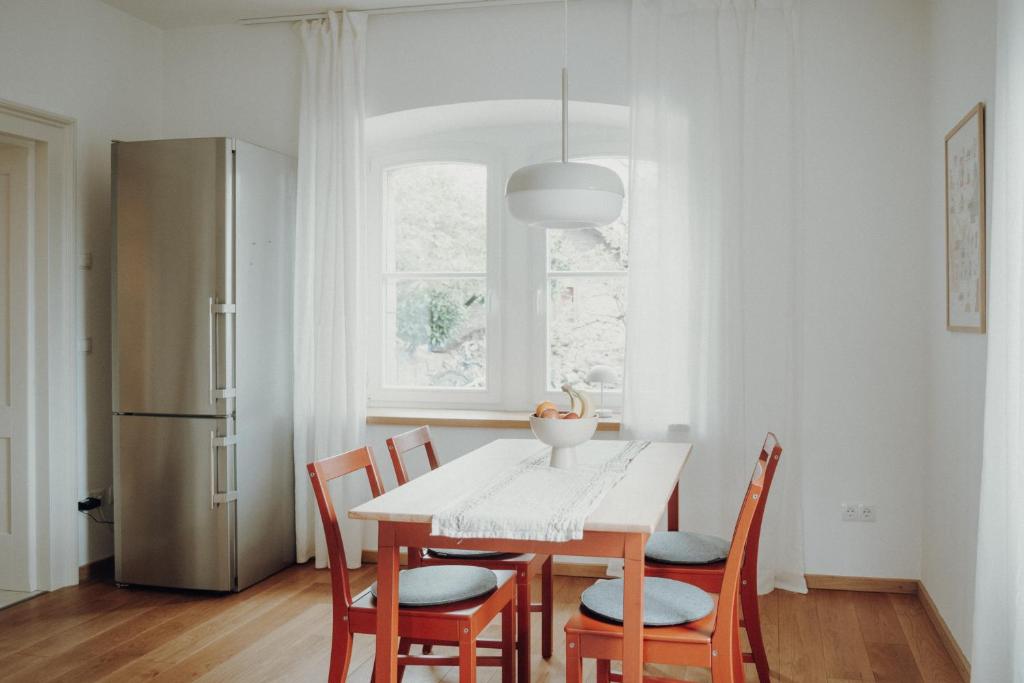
(666, 602)
(460, 554)
(684, 547)
(442, 584)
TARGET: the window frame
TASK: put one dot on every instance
(516, 291)
(380, 394)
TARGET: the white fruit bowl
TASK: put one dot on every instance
(563, 436)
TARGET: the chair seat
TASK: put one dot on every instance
(666, 602)
(442, 584)
(697, 632)
(460, 554)
(437, 623)
(685, 547)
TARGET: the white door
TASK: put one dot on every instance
(17, 553)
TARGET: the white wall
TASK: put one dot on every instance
(244, 80)
(233, 81)
(864, 342)
(515, 52)
(864, 329)
(88, 61)
(962, 55)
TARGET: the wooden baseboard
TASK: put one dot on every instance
(100, 569)
(963, 666)
(864, 584)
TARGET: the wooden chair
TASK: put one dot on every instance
(458, 623)
(712, 642)
(709, 576)
(526, 566)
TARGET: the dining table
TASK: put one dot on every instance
(617, 527)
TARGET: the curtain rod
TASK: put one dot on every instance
(430, 7)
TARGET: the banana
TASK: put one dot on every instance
(586, 405)
(575, 403)
(579, 401)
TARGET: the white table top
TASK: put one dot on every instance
(636, 504)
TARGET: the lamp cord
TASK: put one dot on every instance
(565, 82)
(565, 35)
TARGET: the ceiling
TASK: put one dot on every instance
(182, 13)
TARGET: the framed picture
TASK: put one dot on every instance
(965, 224)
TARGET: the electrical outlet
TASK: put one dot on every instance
(851, 512)
(858, 512)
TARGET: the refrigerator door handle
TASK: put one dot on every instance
(212, 365)
(215, 443)
(223, 309)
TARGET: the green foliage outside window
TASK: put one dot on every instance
(432, 316)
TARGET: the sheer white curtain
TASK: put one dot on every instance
(711, 331)
(999, 588)
(329, 359)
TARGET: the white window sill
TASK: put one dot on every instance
(474, 419)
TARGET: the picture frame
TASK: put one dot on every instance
(966, 295)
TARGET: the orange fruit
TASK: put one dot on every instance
(543, 406)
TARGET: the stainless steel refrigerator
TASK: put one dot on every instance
(202, 399)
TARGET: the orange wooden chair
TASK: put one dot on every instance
(707, 572)
(711, 642)
(448, 621)
(526, 566)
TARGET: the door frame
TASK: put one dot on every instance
(53, 402)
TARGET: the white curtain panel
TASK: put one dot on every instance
(999, 589)
(711, 331)
(329, 362)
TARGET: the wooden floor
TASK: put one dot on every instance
(279, 630)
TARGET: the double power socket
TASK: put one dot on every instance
(858, 512)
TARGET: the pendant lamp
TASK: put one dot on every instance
(565, 194)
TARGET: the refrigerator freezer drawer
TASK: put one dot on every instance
(173, 502)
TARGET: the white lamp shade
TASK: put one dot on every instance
(601, 374)
(565, 195)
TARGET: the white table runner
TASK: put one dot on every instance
(535, 502)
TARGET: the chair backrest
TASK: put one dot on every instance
(771, 452)
(743, 546)
(403, 443)
(321, 473)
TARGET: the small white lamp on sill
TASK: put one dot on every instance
(601, 375)
(565, 194)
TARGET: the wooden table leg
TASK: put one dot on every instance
(523, 630)
(673, 510)
(633, 610)
(386, 666)
(547, 598)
